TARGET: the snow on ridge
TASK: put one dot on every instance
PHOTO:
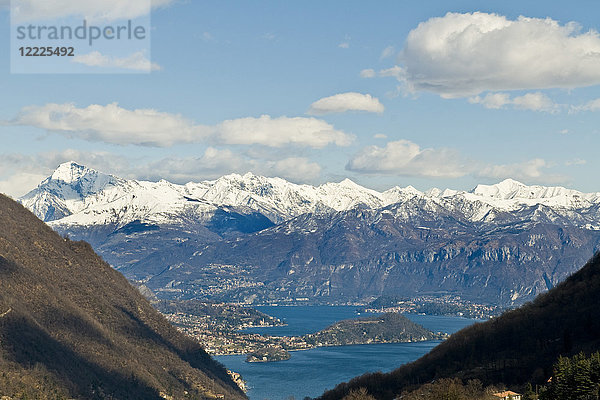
(510, 193)
(75, 194)
(511, 189)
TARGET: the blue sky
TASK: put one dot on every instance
(437, 93)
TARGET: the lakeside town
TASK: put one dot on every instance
(221, 327)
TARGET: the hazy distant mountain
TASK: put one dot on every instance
(72, 327)
(518, 347)
(251, 238)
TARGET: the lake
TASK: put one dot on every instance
(311, 372)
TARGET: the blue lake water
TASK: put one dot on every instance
(311, 372)
(301, 320)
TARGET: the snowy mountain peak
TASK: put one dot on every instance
(401, 193)
(511, 189)
(504, 189)
(70, 172)
(349, 183)
(510, 194)
(66, 191)
(76, 194)
(74, 180)
(412, 190)
(439, 193)
(510, 182)
(246, 180)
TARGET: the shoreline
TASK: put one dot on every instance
(332, 345)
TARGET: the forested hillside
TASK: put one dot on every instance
(72, 327)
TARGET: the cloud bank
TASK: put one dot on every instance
(343, 102)
(148, 127)
(281, 131)
(214, 163)
(461, 55)
(112, 124)
(405, 158)
(530, 101)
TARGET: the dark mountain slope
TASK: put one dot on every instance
(359, 254)
(517, 347)
(71, 326)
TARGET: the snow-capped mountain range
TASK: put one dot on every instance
(77, 195)
(251, 239)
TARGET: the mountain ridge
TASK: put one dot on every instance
(277, 198)
(250, 238)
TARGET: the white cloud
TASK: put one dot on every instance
(136, 61)
(380, 136)
(395, 72)
(460, 55)
(148, 127)
(406, 158)
(17, 184)
(535, 169)
(281, 131)
(592, 105)
(109, 10)
(368, 73)
(215, 162)
(530, 101)
(112, 124)
(535, 102)
(211, 164)
(343, 102)
(297, 169)
(576, 161)
(387, 52)
(492, 100)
